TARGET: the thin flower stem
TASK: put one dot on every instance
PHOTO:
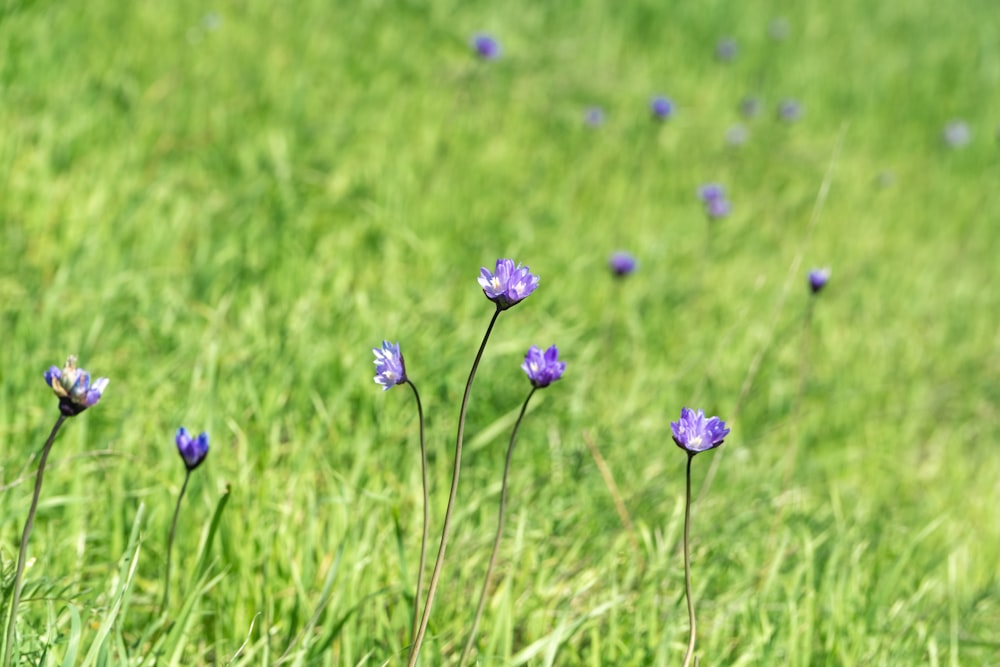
(23, 553)
(427, 518)
(170, 541)
(439, 561)
(687, 563)
(496, 542)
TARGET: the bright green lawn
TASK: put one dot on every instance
(225, 215)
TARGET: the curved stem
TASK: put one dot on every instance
(23, 553)
(439, 561)
(170, 541)
(496, 542)
(427, 518)
(687, 563)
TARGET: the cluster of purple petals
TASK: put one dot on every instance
(543, 368)
(818, 279)
(390, 369)
(508, 284)
(695, 433)
(73, 387)
(714, 198)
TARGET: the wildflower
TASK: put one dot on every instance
(726, 49)
(389, 367)
(694, 433)
(714, 198)
(661, 107)
(789, 111)
(73, 387)
(750, 106)
(622, 263)
(192, 450)
(957, 134)
(509, 284)
(485, 46)
(594, 116)
(818, 279)
(543, 369)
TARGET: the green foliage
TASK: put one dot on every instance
(223, 212)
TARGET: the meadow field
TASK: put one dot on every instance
(222, 208)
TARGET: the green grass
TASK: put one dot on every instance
(225, 221)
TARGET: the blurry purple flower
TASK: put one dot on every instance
(509, 284)
(485, 46)
(192, 450)
(750, 106)
(714, 197)
(73, 387)
(622, 263)
(957, 134)
(711, 192)
(390, 369)
(594, 116)
(543, 369)
(737, 135)
(661, 107)
(726, 49)
(818, 279)
(694, 433)
(789, 111)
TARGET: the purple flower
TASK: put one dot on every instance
(622, 263)
(694, 433)
(543, 369)
(73, 387)
(661, 107)
(750, 106)
(508, 285)
(789, 111)
(389, 367)
(957, 134)
(726, 49)
(594, 116)
(192, 450)
(818, 279)
(485, 46)
(714, 197)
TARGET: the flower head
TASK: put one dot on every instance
(73, 387)
(694, 433)
(957, 134)
(508, 284)
(389, 367)
(485, 46)
(714, 198)
(543, 369)
(789, 111)
(192, 450)
(594, 116)
(725, 49)
(818, 279)
(622, 264)
(661, 107)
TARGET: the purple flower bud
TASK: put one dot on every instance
(622, 264)
(726, 49)
(818, 279)
(192, 450)
(694, 433)
(594, 116)
(789, 111)
(957, 134)
(661, 107)
(485, 46)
